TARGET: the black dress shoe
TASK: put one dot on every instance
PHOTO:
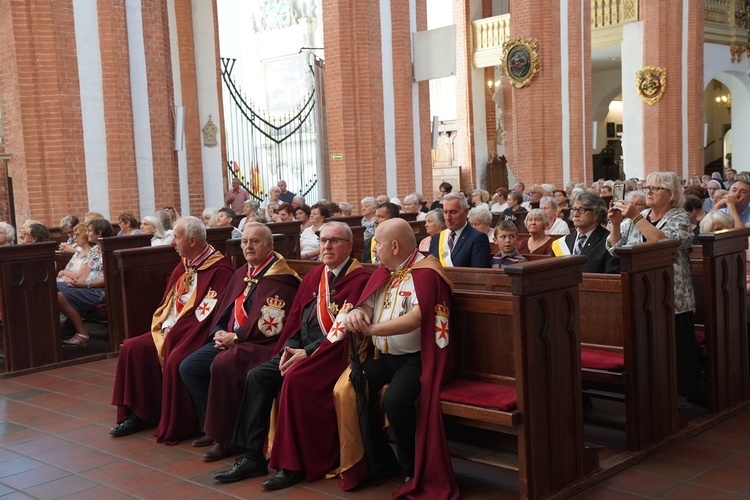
(283, 479)
(129, 426)
(202, 441)
(217, 452)
(243, 468)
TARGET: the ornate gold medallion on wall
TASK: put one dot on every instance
(651, 83)
(521, 60)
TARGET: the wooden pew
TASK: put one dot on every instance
(218, 237)
(719, 280)
(143, 274)
(349, 220)
(28, 301)
(113, 286)
(526, 340)
(288, 246)
(632, 315)
(420, 231)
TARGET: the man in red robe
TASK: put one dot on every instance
(246, 329)
(148, 389)
(405, 309)
(311, 355)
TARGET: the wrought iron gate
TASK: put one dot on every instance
(263, 148)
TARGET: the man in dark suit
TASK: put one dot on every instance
(589, 213)
(460, 245)
(384, 211)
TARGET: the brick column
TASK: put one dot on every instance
(668, 147)
(41, 109)
(547, 132)
(118, 111)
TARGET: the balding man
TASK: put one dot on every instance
(460, 245)
(251, 316)
(284, 195)
(309, 359)
(405, 309)
(148, 389)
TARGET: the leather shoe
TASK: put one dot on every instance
(202, 441)
(129, 426)
(283, 479)
(217, 452)
(243, 468)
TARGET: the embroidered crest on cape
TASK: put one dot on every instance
(442, 321)
(337, 331)
(271, 320)
(206, 305)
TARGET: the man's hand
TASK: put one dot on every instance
(223, 340)
(289, 358)
(357, 321)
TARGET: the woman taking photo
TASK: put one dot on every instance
(665, 218)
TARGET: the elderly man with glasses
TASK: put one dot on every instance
(589, 212)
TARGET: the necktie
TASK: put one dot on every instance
(578, 250)
(451, 241)
(331, 277)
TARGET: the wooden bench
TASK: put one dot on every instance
(28, 301)
(527, 341)
(113, 286)
(719, 281)
(628, 339)
(288, 245)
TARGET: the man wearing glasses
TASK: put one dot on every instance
(310, 357)
(589, 213)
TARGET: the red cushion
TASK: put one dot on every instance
(601, 360)
(700, 335)
(481, 394)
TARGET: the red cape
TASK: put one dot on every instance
(154, 392)
(433, 471)
(230, 367)
(306, 435)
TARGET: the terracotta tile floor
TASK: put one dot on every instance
(54, 444)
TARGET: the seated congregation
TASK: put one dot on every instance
(282, 362)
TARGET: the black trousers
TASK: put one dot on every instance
(402, 372)
(195, 371)
(262, 385)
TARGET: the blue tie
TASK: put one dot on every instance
(578, 250)
(451, 241)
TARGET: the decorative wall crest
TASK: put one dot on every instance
(521, 60)
(651, 83)
(209, 133)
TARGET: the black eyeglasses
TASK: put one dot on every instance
(332, 241)
(578, 210)
(652, 189)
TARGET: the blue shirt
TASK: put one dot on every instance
(745, 215)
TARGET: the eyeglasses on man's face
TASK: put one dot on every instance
(580, 210)
(332, 241)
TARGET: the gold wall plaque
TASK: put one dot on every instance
(521, 60)
(651, 83)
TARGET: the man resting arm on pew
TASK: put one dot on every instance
(405, 309)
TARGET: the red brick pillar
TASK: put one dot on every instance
(355, 101)
(548, 134)
(41, 109)
(666, 147)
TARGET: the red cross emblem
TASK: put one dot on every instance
(270, 323)
(204, 308)
(337, 330)
(442, 330)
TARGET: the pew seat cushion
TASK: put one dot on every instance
(481, 394)
(601, 360)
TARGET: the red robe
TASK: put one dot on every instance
(433, 471)
(154, 392)
(306, 436)
(230, 367)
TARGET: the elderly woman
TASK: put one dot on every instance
(665, 218)
(556, 224)
(67, 227)
(78, 264)
(538, 242)
(479, 198)
(480, 219)
(711, 188)
(80, 295)
(35, 233)
(308, 240)
(7, 234)
(128, 225)
(152, 225)
(434, 222)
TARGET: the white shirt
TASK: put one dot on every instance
(558, 227)
(403, 298)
